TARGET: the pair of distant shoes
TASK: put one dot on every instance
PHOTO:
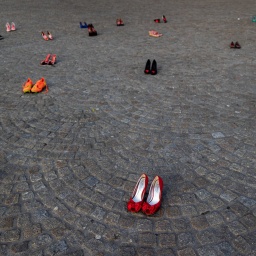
(28, 86)
(91, 30)
(9, 27)
(151, 69)
(154, 33)
(83, 26)
(119, 22)
(47, 37)
(159, 21)
(235, 45)
(49, 60)
(1, 37)
(153, 202)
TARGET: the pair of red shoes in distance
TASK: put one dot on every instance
(151, 70)
(9, 27)
(153, 201)
(159, 21)
(119, 22)
(47, 37)
(48, 60)
(235, 45)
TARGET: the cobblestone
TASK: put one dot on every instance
(70, 158)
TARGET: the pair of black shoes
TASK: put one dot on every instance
(1, 37)
(151, 70)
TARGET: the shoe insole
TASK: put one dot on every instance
(154, 194)
(140, 188)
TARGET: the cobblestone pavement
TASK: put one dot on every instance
(71, 158)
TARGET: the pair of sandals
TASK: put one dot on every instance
(48, 60)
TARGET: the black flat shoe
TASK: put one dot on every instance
(154, 68)
(1, 37)
(147, 68)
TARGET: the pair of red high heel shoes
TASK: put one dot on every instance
(235, 45)
(153, 202)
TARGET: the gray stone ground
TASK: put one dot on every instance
(71, 158)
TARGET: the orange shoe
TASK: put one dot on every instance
(27, 86)
(39, 86)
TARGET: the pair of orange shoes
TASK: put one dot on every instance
(28, 86)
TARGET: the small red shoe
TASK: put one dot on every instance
(157, 20)
(53, 60)
(49, 35)
(119, 22)
(46, 60)
(8, 27)
(232, 45)
(153, 202)
(136, 201)
(13, 27)
(44, 36)
(164, 19)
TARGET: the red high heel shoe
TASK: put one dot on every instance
(46, 60)
(136, 201)
(153, 202)
(52, 61)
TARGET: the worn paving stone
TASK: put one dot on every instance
(70, 158)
